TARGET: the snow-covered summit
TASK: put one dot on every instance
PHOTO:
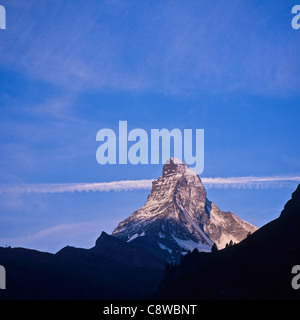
(175, 166)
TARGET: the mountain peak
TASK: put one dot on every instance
(175, 166)
(178, 217)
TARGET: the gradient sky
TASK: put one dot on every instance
(69, 68)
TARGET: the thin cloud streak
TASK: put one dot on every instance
(268, 182)
(124, 185)
(271, 182)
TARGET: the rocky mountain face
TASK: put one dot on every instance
(178, 217)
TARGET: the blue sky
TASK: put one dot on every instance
(69, 68)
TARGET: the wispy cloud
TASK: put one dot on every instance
(127, 185)
(154, 46)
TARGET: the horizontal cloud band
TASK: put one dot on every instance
(126, 185)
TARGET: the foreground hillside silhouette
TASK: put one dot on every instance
(112, 269)
(259, 267)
